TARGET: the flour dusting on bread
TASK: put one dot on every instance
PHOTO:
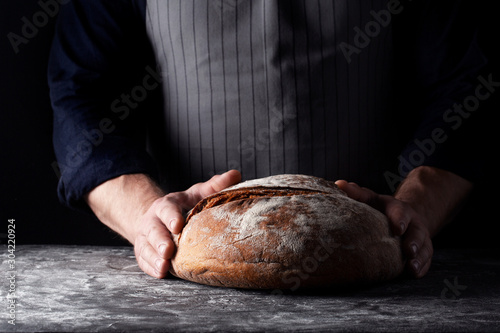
(264, 233)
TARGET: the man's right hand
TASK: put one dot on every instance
(153, 244)
(136, 208)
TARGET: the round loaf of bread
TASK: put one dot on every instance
(285, 232)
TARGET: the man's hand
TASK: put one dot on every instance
(153, 245)
(404, 220)
(136, 208)
(425, 202)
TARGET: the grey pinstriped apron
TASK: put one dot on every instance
(264, 86)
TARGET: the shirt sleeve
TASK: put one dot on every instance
(441, 56)
(100, 65)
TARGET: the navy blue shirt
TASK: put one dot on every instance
(181, 90)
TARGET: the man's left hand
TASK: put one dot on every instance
(404, 221)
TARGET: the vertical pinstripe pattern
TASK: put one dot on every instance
(263, 86)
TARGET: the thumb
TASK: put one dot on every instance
(354, 191)
(214, 184)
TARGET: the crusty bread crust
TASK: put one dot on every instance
(285, 232)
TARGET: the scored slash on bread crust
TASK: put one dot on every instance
(221, 198)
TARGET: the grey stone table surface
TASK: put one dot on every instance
(101, 289)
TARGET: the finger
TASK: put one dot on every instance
(414, 239)
(354, 191)
(419, 266)
(398, 214)
(214, 185)
(394, 209)
(427, 260)
(153, 271)
(160, 239)
(417, 247)
(148, 259)
(228, 178)
(169, 212)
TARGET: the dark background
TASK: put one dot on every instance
(28, 180)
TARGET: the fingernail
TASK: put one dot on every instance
(402, 227)
(171, 223)
(162, 249)
(416, 265)
(158, 263)
(414, 249)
